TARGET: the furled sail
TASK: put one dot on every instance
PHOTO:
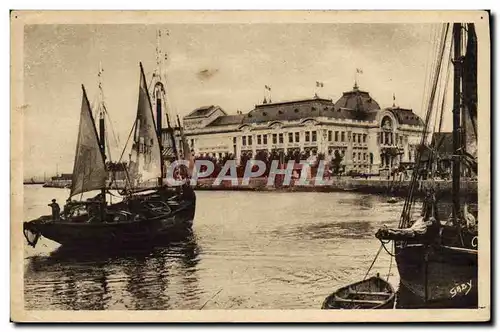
(89, 171)
(145, 160)
(470, 93)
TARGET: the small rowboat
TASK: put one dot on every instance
(371, 293)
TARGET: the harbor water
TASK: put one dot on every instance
(249, 250)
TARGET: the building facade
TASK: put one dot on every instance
(369, 139)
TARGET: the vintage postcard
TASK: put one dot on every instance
(250, 166)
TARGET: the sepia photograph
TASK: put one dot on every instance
(250, 166)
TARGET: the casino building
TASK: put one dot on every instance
(370, 138)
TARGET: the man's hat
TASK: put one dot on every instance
(53, 200)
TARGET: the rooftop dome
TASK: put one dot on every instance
(357, 100)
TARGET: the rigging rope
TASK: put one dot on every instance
(106, 138)
(390, 262)
(127, 177)
(117, 140)
(431, 57)
(406, 214)
(443, 103)
(373, 262)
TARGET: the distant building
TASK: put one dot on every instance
(62, 177)
(369, 138)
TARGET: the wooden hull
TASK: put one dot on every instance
(437, 276)
(119, 234)
(139, 229)
(372, 293)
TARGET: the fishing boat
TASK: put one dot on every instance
(371, 293)
(150, 211)
(436, 252)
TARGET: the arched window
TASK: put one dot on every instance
(386, 123)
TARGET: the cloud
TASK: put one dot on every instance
(206, 74)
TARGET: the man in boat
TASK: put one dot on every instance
(427, 228)
(67, 208)
(56, 210)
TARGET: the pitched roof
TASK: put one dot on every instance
(226, 120)
(289, 110)
(353, 105)
(301, 109)
(201, 111)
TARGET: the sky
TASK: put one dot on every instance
(222, 64)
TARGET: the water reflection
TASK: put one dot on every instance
(363, 202)
(251, 250)
(329, 230)
(138, 279)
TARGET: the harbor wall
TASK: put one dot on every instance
(342, 184)
(345, 184)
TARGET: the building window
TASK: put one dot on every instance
(364, 138)
(259, 139)
(244, 140)
(249, 140)
(290, 137)
(329, 135)
(307, 136)
(336, 136)
(313, 136)
(297, 137)
(359, 138)
(342, 136)
(364, 156)
(275, 138)
(280, 138)
(359, 156)
(354, 156)
(234, 140)
(265, 139)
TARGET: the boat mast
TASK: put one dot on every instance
(171, 131)
(102, 139)
(457, 62)
(158, 90)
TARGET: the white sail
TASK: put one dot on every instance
(145, 161)
(89, 170)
